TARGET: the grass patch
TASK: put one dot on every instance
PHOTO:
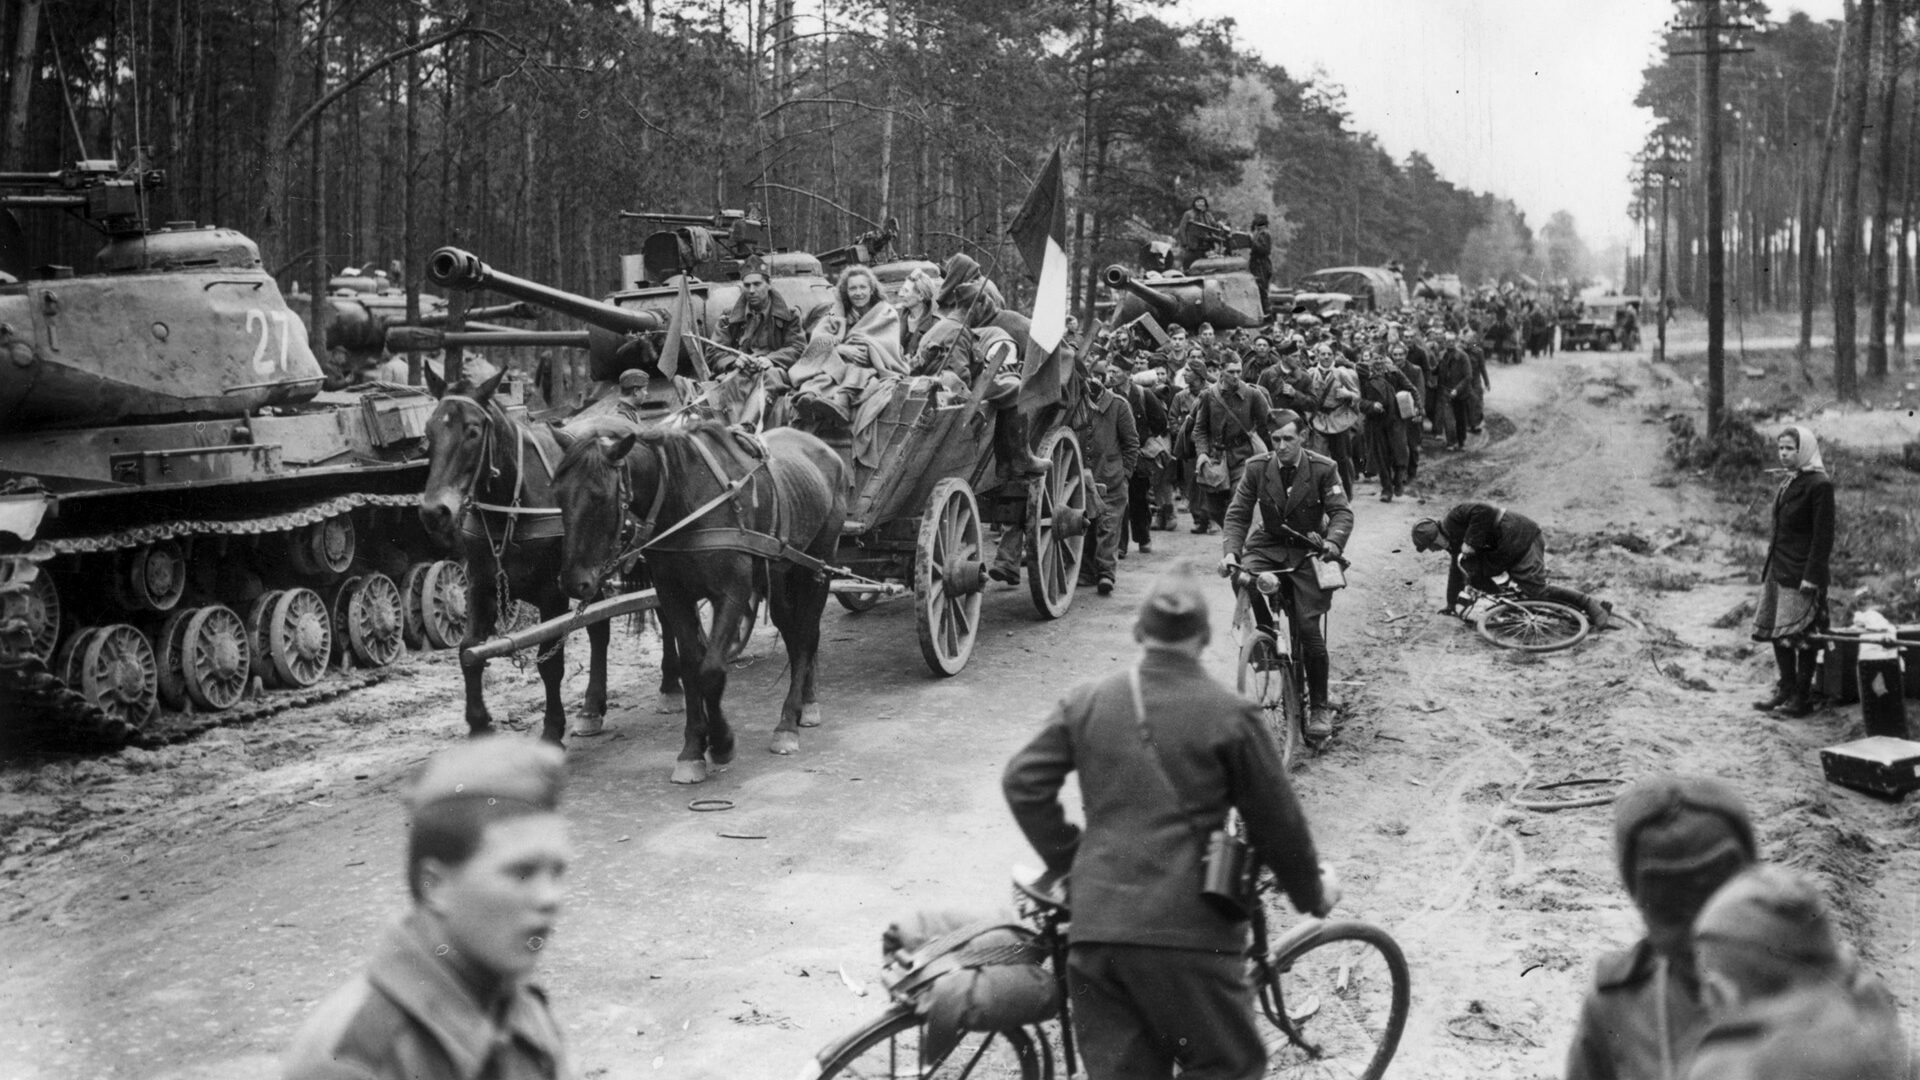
(1876, 549)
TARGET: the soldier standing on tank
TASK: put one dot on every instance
(1260, 264)
(1199, 232)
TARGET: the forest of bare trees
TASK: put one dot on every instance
(1820, 133)
(371, 131)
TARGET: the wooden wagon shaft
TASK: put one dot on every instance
(1873, 638)
(554, 629)
(847, 586)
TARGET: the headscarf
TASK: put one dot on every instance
(1807, 458)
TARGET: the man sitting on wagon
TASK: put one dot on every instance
(769, 333)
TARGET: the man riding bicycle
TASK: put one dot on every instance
(1303, 512)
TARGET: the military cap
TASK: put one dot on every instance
(1773, 909)
(1281, 417)
(1426, 535)
(634, 379)
(754, 264)
(498, 769)
(1668, 823)
(1174, 609)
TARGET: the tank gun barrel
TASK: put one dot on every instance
(453, 268)
(517, 310)
(1164, 307)
(426, 339)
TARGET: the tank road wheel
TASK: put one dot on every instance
(949, 573)
(259, 616)
(443, 604)
(30, 597)
(66, 662)
(338, 597)
(152, 577)
(324, 547)
(412, 629)
(1057, 525)
(216, 658)
(118, 673)
(373, 621)
(173, 677)
(299, 638)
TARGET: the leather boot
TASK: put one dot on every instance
(1800, 699)
(1785, 658)
(1010, 446)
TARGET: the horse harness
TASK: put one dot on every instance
(543, 523)
(638, 535)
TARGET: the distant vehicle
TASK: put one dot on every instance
(1604, 323)
(1367, 288)
(1440, 287)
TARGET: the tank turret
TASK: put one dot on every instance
(648, 305)
(180, 322)
(1225, 297)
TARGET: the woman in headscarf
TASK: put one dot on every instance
(1793, 597)
(854, 346)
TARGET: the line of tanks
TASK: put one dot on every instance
(188, 518)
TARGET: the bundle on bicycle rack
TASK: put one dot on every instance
(962, 972)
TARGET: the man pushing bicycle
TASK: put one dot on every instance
(1303, 512)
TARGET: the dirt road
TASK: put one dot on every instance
(176, 913)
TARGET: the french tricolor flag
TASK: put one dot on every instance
(1039, 230)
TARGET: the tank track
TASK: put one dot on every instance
(40, 712)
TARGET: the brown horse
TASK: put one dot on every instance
(489, 496)
(721, 523)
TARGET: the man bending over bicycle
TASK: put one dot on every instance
(1303, 512)
(1498, 551)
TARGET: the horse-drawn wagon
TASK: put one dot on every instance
(926, 493)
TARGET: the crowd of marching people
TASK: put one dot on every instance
(1374, 392)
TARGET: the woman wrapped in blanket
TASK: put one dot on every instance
(853, 347)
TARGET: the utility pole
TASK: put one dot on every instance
(1665, 154)
(1712, 47)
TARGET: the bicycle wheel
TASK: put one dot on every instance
(1532, 625)
(1337, 995)
(1272, 681)
(889, 1049)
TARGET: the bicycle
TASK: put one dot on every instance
(1335, 997)
(1272, 669)
(1512, 621)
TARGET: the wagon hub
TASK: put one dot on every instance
(1069, 521)
(964, 576)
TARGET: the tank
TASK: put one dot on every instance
(187, 519)
(647, 306)
(1219, 291)
(365, 305)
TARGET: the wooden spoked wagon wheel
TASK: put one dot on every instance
(299, 638)
(443, 604)
(949, 574)
(216, 657)
(373, 619)
(1057, 525)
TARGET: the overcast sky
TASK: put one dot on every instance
(1531, 99)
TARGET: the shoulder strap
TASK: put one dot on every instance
(1146, 735)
